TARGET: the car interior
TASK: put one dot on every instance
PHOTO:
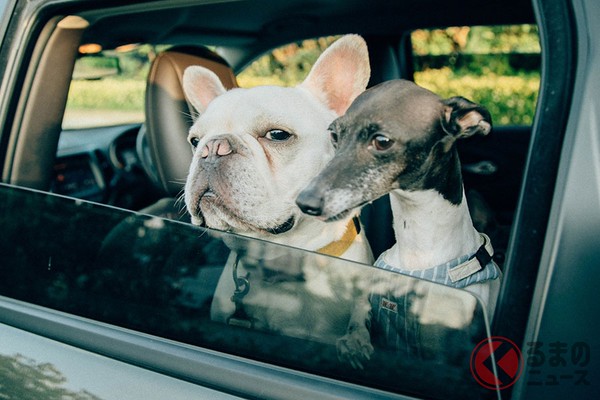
(142, 166)
(134, 166)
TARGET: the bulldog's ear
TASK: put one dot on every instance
(201, 86)
(463, 118)
(340, 74)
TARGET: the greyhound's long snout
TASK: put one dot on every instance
(310, 202)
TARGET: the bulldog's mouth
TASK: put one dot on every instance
(213, 199)
(196, 211)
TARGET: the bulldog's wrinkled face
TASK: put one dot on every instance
(255, 149)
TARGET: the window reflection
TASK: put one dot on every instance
(28, 379)
(242, 296)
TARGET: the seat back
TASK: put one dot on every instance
(169, 116)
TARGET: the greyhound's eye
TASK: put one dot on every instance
(194, 142)
(278, 135)
(380, 142)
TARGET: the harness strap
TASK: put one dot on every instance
(459, 272)
(475, 263)
(242, 286)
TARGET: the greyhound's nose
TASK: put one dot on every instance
(310, 203)
(218, 147)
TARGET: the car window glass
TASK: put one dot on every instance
(108, 86)
(498, 66)
(286, 65)
(188, 284)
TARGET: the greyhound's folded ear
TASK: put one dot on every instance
(201, 86)
(463, 118)
(340, 74)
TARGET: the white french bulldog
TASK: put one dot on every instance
(254, 151)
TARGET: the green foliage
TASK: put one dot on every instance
(95, 67)
(477, 40)
(112, 93)
(124, 92)
(510, 99)
(497, 67)
(135, 64)
(285, 66)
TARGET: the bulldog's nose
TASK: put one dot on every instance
(310, 203)
(216, 148)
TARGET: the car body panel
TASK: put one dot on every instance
(563, 326)
(53, 367)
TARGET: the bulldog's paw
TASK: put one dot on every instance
(355, 347)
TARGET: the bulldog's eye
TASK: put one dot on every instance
(194, 142)
(277, 135)
(381, 142)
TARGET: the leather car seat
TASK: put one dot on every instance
(162, 143)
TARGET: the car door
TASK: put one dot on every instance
(145, 301)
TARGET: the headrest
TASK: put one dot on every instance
(169, 116)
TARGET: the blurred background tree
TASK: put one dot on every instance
(498, 67)
(285, 66)
(25, 379)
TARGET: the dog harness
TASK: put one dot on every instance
(459, 273)
(393, 326)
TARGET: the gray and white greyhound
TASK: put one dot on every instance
(399, 138)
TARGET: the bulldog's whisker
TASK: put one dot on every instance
(181, 194)
(188, 115)
(180, 197)
(180, 202)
